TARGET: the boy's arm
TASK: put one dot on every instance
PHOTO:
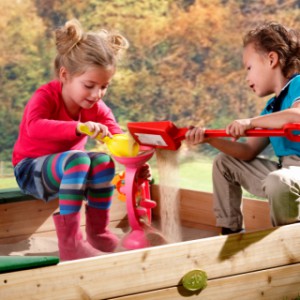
(244, 151)
(278, 119)
(274, 120)
(240, 150)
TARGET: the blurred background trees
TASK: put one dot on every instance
(184, 62)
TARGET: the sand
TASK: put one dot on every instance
(167, 163)
(46, 245)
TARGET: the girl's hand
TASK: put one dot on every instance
(237, 128)
(195, 135)
(145, 172)
(96, 129)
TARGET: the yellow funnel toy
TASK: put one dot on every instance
(121, 145)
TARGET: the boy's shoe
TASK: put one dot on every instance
(226, 231)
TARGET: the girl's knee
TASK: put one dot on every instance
(78, 163)
(102, 166)
(102, 159)
(78, 158)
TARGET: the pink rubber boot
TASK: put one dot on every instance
(97, 233)
(70, 242)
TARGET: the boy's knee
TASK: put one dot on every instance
(221, 160)
(283, 198)
(275, 185)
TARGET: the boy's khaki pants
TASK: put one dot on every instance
(260, 177)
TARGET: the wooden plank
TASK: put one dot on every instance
(122, 225)
(197, 207)
(32, 216)
(25, 218)
(256, 214)
(196, 211)
(12, 195)
(161, 267)
(276, 283)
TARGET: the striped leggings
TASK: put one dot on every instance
(78, 175)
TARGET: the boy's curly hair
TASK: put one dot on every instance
(272, 36)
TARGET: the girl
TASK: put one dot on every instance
(271, 57)
(49, 157)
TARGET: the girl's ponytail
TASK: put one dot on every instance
(78, 50)
(68, 37)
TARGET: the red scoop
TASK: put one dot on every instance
(166, 135)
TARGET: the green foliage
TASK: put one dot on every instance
(184, 61)
(21, 65)
(9, 125)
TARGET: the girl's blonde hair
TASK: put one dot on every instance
(78, 50)
(272, 36)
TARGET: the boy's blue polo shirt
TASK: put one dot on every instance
(287, 97)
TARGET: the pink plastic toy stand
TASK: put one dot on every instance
(138, 201)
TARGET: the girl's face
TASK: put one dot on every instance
(85, 90)
(259, 68)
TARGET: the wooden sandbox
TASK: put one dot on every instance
(263, 263)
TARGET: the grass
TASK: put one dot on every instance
(194, 174)
(8, 182)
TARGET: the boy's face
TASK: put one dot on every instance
(259, 71)
(85, 90)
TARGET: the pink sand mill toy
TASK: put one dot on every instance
(137, 191)
(138, 201)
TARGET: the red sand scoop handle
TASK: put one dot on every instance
(164, 134)
(287, 131)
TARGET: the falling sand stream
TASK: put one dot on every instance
(168, 171)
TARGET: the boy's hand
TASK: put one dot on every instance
(237, 128)
(195, 135)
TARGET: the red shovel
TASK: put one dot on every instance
(166, 135)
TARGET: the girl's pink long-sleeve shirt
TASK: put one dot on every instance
(46, 127)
